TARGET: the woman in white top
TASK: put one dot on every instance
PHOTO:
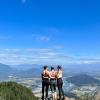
(60, 82)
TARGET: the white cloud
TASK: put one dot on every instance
(43, 57)
(41, 37)
(44, 38)
(41, 50)
(88, 60)
(40, 56)
(59, 47)
(20, 56)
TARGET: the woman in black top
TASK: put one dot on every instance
(45, 82)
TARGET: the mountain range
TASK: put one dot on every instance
(29, 70)
(25, 70)
(83, 79)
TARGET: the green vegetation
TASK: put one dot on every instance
(71, 95)
(86, 97)
(14, 91)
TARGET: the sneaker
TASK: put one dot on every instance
(55, 95)
(46, 98)
(42, 98)
(63, 98)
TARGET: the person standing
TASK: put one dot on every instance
(45, 82)
(52, 75)
(60, 82)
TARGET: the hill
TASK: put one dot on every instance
(14, 91)
(25, 67)
(5, 71)
(23, 70)
(33, 71)
(73, 69)
(83, 79)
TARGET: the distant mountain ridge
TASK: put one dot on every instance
(83, 79)
(4, 67)
(23, 70)
(5, 71)
(73, 69)
(29, 70)
(33, 72)
(25, 67)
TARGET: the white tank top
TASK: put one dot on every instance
(59, 74)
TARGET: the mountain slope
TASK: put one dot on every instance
(4, 67)
(5, 71)
(14, 91)
(25, 67)
(32, 71)
(83, 79)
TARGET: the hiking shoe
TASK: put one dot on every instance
(63, 98)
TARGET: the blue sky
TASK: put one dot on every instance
(49, 31)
